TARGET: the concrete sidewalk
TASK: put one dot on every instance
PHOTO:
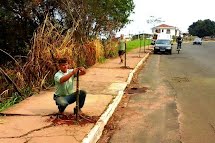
(104, 84)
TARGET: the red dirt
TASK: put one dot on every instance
(70, 119)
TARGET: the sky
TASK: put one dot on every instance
(180, 13)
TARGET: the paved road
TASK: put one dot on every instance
(178, 106)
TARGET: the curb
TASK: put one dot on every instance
(96, 132)
(131, 74)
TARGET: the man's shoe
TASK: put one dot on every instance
(61, 115)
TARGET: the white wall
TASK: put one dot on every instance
(164, 30)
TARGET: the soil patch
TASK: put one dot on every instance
(126, 67)
(134, 90)
(70, 119)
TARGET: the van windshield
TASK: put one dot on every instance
(163, 42)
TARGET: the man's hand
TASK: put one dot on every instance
(82, 70)
(75, 71)
(67, 76)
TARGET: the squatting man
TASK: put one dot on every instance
(64, 79)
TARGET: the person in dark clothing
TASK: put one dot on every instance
(179, 42)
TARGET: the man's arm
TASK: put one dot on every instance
(82, 70)
(67, 76)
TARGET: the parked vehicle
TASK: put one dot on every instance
(163, 45)
(197, 41)
(160, 36)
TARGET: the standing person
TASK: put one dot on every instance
(121, 47)
(64, 79)
(179, 41)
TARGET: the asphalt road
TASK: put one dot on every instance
(178, 106)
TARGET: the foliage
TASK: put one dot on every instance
(85, 19)
(37, 72)
(35, 33)
(112, 15)
(202, 28)
(17, 24)
(110, 47)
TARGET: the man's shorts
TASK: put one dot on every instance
(121, 52)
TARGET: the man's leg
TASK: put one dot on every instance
(62, 103)
(61, 108)
(121, 59)
(180, 45)
(82, 98)
(120, 56)
(72, 98)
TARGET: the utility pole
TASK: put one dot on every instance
(144, 38)
(139, 38)
(125, 54)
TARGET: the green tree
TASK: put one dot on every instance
(85, 18)
(18, 21)
(202, 28)
(94, 17)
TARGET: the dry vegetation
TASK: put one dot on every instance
(48, 44)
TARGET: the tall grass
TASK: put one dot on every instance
(48, 45)
(36, 73)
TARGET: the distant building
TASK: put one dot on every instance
(166, 29)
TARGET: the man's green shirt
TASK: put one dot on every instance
(66, 88)
(121, 44)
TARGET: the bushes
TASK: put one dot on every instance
(49, 44)
(110, 48)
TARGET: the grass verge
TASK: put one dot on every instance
(137, 43)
